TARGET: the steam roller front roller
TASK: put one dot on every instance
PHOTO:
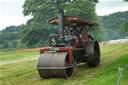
(54, 65)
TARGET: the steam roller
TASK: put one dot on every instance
(72, 45)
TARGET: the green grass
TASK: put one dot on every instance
(24, 73)
(17, 56)
(7, 51)
(110, 74)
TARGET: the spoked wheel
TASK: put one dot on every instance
(93, 60)
(54, 68)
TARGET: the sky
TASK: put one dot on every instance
(105, 7)
(11, 11)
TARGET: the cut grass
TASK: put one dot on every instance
(110, 74)
(113, 56)
(7, 52)
(17, 56)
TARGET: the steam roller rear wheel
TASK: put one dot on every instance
(93, 49)
(59, 60)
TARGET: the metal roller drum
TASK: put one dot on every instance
(93, 50)
(54, 65)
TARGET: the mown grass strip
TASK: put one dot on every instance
(17, 56)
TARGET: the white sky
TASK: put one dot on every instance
(11, 13)
(105, 7)
(11, 10)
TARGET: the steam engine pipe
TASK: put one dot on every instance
(61, 26)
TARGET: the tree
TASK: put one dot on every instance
(37, 29)
(113, 24)
(126, 27)
(12, 44)
(9, 37)
(126, 24)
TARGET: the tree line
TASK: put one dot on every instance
(10, 37)
(113, 25)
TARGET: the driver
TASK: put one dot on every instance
(76, 38)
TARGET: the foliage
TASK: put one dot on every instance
(113, 25)
(9, 37)
(37, 29)
(10, 33)
(126, 27)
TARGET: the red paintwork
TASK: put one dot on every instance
(76, 43)
(69, 50)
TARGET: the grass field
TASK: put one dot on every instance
(18, 68)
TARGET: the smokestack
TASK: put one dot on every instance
(61, 25)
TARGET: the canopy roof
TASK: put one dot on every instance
(74, 20)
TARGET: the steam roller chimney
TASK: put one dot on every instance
(61, 25)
